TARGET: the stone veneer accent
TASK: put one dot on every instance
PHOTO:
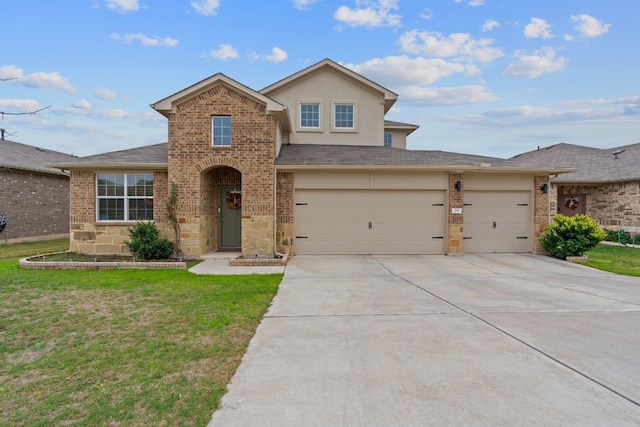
(456, 221)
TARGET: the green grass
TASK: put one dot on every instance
(120, 347)
(615, 259)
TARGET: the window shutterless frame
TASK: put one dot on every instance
(124, 197)
(221, 130)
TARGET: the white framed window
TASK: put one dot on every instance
(344, 116)
(221, 130)
(388, 139)
(310, 115)
(124, 197)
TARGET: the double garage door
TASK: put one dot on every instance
(375, 221)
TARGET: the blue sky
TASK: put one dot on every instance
(490, 77)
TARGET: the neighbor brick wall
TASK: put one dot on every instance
(191, 156)
(615, 205)
(35, 204)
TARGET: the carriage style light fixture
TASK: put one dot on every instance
(458, 186)
(544, 188)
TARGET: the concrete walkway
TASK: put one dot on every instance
(511, 340)
(218, 263)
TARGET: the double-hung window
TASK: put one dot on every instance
(310, 116)
(221, 130)
(344, 116)
(124, 197)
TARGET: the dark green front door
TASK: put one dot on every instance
(230, 217)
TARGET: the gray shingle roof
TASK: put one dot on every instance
(14, 155)
(149, 155)
(346, 155)
(594, 165)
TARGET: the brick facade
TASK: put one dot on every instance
(193, 161)
(35, 204)
(613, 205)
(284, 213)
(541, 212)
(456, 221)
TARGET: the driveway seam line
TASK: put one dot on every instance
(486, 322)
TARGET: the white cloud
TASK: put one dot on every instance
(277, 55)
(590, 26)
(145, 40)
(104, 93)
(373, 13)
(457, 45)
(426, 13)
(82, 104)
(472, 2)
(19, 105)
(123, 6)
(543, 61)
(38, 80)
(304, 4)
(490, 25)
(406, 71)
(224, 52)
(429, 96)
(206, 7)
(538, 28)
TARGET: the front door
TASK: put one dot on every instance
(230, 217)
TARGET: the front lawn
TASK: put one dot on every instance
(616, 259)
(120, 347)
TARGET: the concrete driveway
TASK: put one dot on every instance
(432, 340)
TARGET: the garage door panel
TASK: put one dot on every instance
(497, 221)
(369, 221)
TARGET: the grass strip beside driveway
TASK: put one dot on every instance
(615, 259)
(122, 347)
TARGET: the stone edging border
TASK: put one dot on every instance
(26, 263)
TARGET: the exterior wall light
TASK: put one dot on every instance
(458, 186)
(544, 188)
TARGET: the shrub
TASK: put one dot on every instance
(571, 236)
(146, 243)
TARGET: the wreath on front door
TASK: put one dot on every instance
(572, 203)
(234, 200)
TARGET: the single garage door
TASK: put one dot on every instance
(497, 221)
(369, 221)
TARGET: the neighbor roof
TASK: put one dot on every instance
(15, 155)
(594, 165)
(149, 157)
(308, 156)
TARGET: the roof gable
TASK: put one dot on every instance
(389, 96)
(167, 105)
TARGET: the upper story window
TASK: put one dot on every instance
(310, 116)
(388, 139)
(344, 115)
(124, 197)
(221, 130)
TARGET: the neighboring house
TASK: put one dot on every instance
(34, 197)
(606, 185)
(307, 165)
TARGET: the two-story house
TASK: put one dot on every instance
(307, 165)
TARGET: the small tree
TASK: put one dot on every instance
(172, 216)
(571, 236)
(146, 243)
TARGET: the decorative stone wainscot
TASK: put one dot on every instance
(28, 263)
